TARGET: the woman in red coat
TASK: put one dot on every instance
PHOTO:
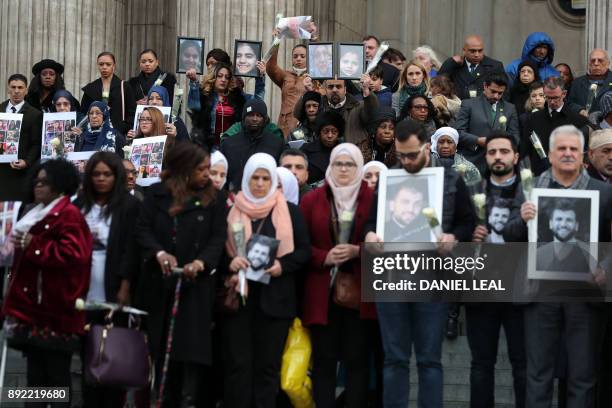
(51, 270)
(338, 332)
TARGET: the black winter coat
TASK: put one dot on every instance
(318, 160)
(14, 184)
(121, 250)
(197, 232)
(121, 114)
(240, 147)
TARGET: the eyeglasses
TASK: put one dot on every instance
(346, 165)
(553, 98)
(420, 107)
(145, 120)
(95, 113)
(409, 156)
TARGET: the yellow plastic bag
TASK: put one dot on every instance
(294, 371)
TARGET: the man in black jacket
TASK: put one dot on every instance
(422, 323)
(469, 70)
(555, 114)
(575, 328)
(14, 175)
(250, 140)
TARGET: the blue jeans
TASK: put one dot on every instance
(401, 325)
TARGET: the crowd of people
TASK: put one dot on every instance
(103, 238)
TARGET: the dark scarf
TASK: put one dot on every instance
(146, 81)
(97, 137)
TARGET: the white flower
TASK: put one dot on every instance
(429, 212)
(347, 216)
(298, 134)
(526, 175)
(55, 142)
(502, 120)
(479, 200)
(127, 151)
(473, 94)
(461, 168)
(593, 87)
(79, 304)
(237, 227)
(534, 110)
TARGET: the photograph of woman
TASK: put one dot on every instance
(190, 54)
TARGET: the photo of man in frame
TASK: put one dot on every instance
(405, 221)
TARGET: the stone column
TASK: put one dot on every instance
(598, 25)
(72, 32)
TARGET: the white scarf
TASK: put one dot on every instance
(34, 216)
(298, 71)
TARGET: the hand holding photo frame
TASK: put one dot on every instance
(246, 55)
(190, 54)
(351, 61)
(321, 60)
(565, 226)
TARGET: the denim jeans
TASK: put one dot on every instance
(483, 325)
(401, 326)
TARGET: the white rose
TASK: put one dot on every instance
(593, 87)
(55, 142)
(461, 168)
(479, 200)
(347, 216)
(79, 304)
(526, 174)
(298, 134)
(502, 120)
(237, 227)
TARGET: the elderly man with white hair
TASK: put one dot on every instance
(575, 328)
(596, 82)
(600, 155)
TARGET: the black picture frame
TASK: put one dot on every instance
(316, 71)
(188, 42)
(252, 72)
(361, 63)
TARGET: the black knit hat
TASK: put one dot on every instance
(47, 63)
(531, 65)
(311, 96)
(255, 105)
(385, 113)
(332, 118)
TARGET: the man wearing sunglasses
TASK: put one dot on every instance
(404, 323)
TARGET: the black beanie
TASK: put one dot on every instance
(385, 113)
(257, 106)
(311, 96)
(330, 118)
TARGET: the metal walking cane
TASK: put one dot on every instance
(177, 298)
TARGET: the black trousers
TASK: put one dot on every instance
(48, 369)
(484, 322)
(253, 345)
(582, 325)
(348, 338)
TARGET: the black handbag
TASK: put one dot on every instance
(117, 356)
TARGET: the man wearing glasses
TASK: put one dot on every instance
(595, 83)
(543, 122)
(404, 324)
(479, 116)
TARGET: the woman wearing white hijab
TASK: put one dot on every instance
(288, 185)
(218, 169)
(372, 171)
(444, 146)
(254, 336)
(340, 330)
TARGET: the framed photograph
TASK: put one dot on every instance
(402, 197)
(189, 54)
(321, 60)
(147, 155)
(165, 110)
(57, 125)
(261, 253)
(10, 125)
(351, 60)
(566, 222)
(246, 55)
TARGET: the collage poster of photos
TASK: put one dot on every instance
(58, 125)
(147, 156)
(10, 126)
(8, 217)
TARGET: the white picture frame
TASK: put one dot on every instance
(165, 110)
(147, 156)
(10, 132)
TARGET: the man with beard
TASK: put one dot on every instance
(600, 155)
(572, 327)
(504, 195)
(358, 115)
(558, 256)
(251, 139)
(406, 223)
(422, 324)
(480, 116)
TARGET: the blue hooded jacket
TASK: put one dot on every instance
(546, 68)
